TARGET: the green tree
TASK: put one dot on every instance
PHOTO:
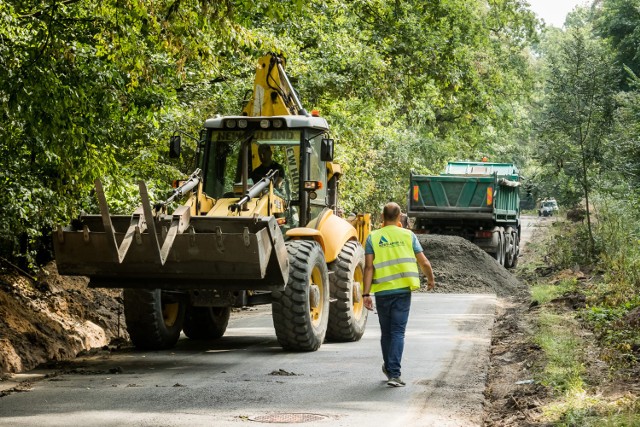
(577, 114)
(94, 90)
(619, 22)
(625, 140)
(410, 84)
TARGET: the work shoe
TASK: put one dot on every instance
(385, 372)
(396, 382)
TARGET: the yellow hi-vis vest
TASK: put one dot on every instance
(394, 262)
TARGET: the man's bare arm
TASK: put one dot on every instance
(368, 278)
(425, 266)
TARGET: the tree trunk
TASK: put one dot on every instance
(585, 186)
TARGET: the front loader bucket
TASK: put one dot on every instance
(173, 251)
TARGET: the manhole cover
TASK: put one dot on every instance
(288, 418)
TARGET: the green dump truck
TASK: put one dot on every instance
(475, 200)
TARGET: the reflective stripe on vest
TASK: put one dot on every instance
(395, 264)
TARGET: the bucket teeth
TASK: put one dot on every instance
(151, 247)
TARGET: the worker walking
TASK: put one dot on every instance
(391, 273)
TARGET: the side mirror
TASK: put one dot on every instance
(326, 150)
(174, 146)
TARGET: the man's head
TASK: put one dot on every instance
(391, 212)
(264, 152)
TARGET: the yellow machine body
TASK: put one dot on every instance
(207, 242)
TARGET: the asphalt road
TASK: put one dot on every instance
(529, 223)
(245, 379)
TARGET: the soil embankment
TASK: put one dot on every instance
(54, 318)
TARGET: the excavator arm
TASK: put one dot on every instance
(273, 94)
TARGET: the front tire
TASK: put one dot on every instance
(347, 315)
(206, 323)
(301, 311)
(154, 318)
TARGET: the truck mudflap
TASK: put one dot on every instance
(174, 251)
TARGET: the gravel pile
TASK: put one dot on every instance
(460, 266)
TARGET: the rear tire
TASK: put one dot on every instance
(347, 315)
(516, 239)
(154, 318)
(206, 323)
(301, 311)
(499, 254)
(511, 248)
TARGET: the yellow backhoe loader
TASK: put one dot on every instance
(238, 239)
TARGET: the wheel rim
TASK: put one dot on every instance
(356, 292)
(170, 313)
(316, 303)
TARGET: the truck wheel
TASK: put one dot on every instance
(301, 311)
(498, 255)
(510, 253)
(206, 323)
(347, 315)
(516, 243)
(154, 318)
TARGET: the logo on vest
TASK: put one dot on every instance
(384, 243)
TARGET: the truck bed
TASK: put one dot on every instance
(463, 197)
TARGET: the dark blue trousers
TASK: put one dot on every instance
(393, 313)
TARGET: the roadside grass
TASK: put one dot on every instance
(544, 292)
(576, 400)
(571, 369)
(558, 337)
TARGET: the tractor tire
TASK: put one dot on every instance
(347, 315)
(301, 311)
(154, 319)
(206, 323)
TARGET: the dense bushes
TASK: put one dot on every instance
(614, 268)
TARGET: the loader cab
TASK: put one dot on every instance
(229, 154)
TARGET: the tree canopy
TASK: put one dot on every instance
(93, 90)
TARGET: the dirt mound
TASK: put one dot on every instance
(460, 266)
(54, 318)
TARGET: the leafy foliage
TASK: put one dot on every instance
(578, 110)
(93, 90)
(619, 22)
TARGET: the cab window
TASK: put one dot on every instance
(317, 172)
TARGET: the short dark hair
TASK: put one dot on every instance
(391, 211)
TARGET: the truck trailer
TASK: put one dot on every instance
(479, 201)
